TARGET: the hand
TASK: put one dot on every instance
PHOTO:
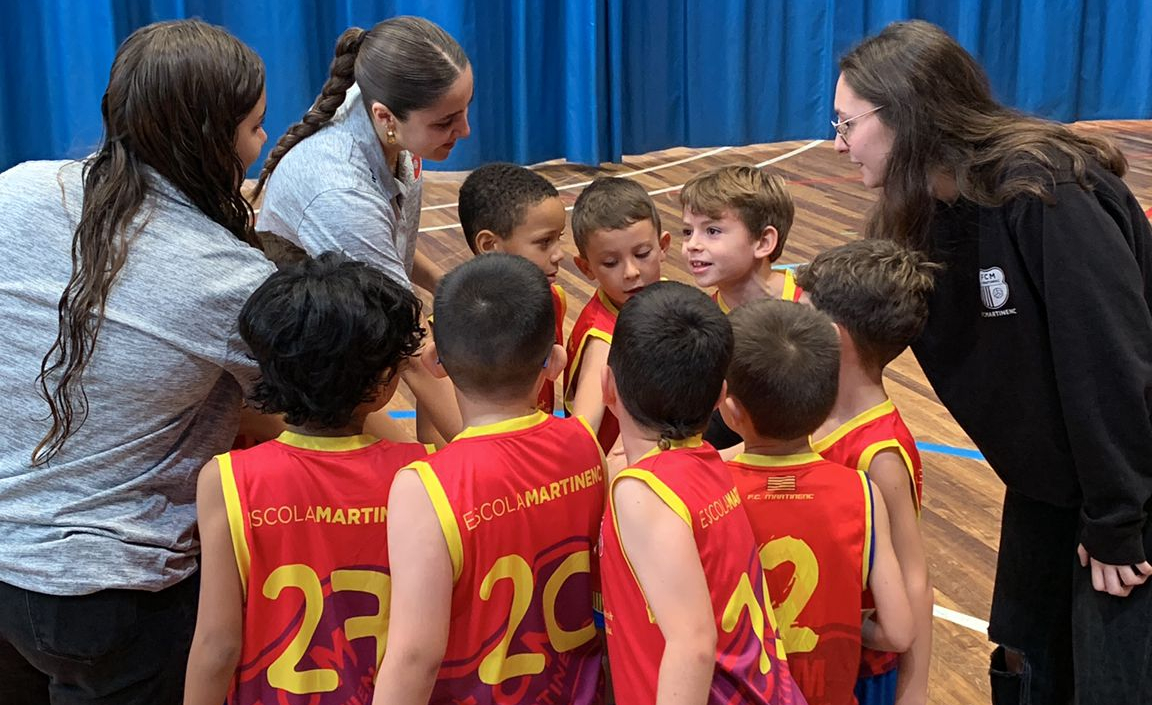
(1115, 580)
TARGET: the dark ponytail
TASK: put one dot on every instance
(341, 77)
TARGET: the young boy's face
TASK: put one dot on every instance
(722, 250)
(536, 237)
(624, 261)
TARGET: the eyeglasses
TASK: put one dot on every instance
(843, 127)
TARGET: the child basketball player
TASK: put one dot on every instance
(507, 208)
(877, 294)
(491, 583)
(736, 221)
(822, 528)
(620, 244)
(296, 526)
(686, 609)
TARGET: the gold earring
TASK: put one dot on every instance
(391, 136)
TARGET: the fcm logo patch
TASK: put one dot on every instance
(993, 288)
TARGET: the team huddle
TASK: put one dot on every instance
(594, 544)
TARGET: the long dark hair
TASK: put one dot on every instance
(944, 120)
(405, 63)
(176, 93)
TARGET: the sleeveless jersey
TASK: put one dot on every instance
(790, 292)
(597, 320)
(855, 444)
(307, 518)
(751, 666)
(519, 504)
(813, 522)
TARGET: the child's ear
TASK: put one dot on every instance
(608, 389)
(554, 365)
(431, 361)
(665, 241)
(766, 245)
(487, 241)
(733, 412)
(584, 267)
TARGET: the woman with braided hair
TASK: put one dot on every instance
(347, 176)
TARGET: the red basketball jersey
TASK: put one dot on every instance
(750, 660)
(855, 444)
(790, 292)
(813, 522)
(307, 516)
(546, 402)
(597, 320)
(520, 504)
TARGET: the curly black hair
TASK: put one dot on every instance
(327, 333)
(495, 196)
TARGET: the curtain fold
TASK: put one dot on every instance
(590, 80)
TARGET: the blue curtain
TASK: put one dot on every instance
(590, 80)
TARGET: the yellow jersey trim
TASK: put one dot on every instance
(663, 491)
(578, 359)
(789, 291)
(869, 455)
(333, 444)
(507, 426)
(443, 507)
(607, 302)
(776, 461)
(884, 407)
(235, 512)
(563, 296)
(588, 427)
(689, 442)
(724, 308)
(869, 527)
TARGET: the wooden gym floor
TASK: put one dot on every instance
(962, 495)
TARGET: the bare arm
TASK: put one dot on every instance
(662, 551)
(588, 398)
(893, 627)
(421, 605)
(425, 273)
(219, 623)
(435, 396)
(891, 476)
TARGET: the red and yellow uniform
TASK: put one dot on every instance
(750, 660)
(790, 292)
(855, 444)
(546, 402)
(307, 517)
(813, 522)
(597, 320)
(519, 504)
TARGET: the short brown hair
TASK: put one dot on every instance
(757, 197)
(877, 290)
(610, 203)
(785, 368)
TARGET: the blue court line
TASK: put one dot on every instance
(926, 447)
(951, 450)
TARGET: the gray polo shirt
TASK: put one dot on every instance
(116, 507)
(334, 191)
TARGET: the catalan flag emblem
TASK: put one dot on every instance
(784, 483)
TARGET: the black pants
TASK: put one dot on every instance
(112, 647)
(1076, 645)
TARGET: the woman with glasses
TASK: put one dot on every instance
(1039, 342)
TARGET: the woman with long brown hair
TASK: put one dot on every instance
(122, 367)
(1039, 342)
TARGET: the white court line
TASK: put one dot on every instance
(657, 192)
(964, 620)
(685, 160)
